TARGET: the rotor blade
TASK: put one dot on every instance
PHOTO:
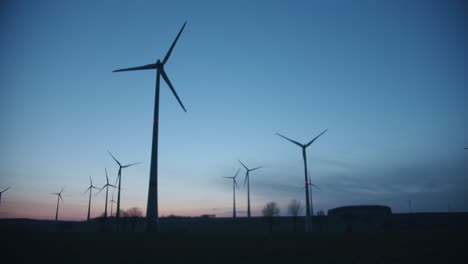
(315, 186)
(100, 189)
(245, 180)
(312, 141)
(168, 54)
(112, 186)
(145, 67)
(229, 177)
(164, 75)
(256, 168)
(6, 189)
(62, 190)
(90, 180)
(243, 165)
(87, 190)
(55, 193)
(236, 173)
(235, 182)
(60, 196)
(114, 158)
(293, 141)
(126, 166)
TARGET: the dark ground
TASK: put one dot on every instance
(414, 247)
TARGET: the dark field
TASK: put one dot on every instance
(415, 247)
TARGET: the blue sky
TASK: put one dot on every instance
(387, 78)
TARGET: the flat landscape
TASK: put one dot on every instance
(415, 247)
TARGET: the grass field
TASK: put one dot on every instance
(239, 248)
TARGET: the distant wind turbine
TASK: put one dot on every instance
(90, 189)
(310, 185)
(107, 193)
(304, 156)
(247, 180)
(119, 178)
(409, 206)
(59, 196)
(2, 193)
(112, 202)
(152, 206)
(234, 185)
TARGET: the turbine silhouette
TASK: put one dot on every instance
(234, 185)
(59, 196)
(90, 189)
(119, 179)
(152, 207)
(107, 193)
(247, 180)
(304, 156)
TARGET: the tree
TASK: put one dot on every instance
(132, 214)
(294, 209)
(270, 210)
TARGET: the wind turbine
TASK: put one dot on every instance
(310, 185)
(107, 193)
(304, 156)
(90, 189)
(247, 180)
(152, 207)
(2, 193)
(59, 196)
(112, 202)
(409, 206)
(234, 185)
(119, 178)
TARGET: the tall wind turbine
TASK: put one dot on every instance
(304, 156)
(247, 180)
(90, 189)
(119, 178)
(152, 207)
(2, 193)
(112, 202)
(107, 193)
(234, 185)
(59, 196)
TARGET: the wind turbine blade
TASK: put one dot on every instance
(6, 189)
(245, 180)
(243, 165)
(100, 189)
(312, 141)
(62, 190)
(293, 141)
(168, 54)
(315, 186)
(91, 181)
(164, 75)
(139, 68)
(114, 158)
(235, 182)
(87, 190)
(229, 177)
(60, 196)
(236, 173)
(126, 166)
(256, 168)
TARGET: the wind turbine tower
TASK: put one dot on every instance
(107, 193)
(90, 189)
(59, 196)
(234, 185)
(247, 180)
(152, 207)
(306, 179)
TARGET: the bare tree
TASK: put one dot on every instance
(270, 210)
(294, 209)
(132, 214)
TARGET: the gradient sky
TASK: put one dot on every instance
(387, 78)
